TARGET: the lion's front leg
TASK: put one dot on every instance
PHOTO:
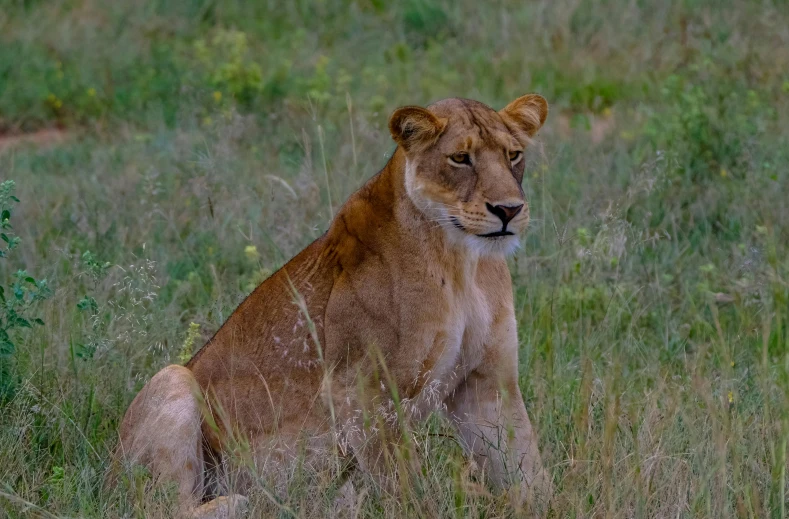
(374, 433)
(491, 418)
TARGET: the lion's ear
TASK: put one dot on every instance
(527, 114)
(415, 128)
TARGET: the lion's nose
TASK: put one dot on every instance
(504, 212)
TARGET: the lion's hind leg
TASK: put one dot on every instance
(162, 432)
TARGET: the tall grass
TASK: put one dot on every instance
(205, 143)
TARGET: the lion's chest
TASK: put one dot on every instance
(453, 346)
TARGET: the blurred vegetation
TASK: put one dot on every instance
(168, 156)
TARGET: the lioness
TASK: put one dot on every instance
(403, 307)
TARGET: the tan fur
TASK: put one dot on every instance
(402, 295)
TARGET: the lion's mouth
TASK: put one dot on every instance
(496, 234)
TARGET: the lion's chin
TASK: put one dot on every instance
(492, 245)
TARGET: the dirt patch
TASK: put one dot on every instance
(40, 139)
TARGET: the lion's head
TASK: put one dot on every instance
(464, 166)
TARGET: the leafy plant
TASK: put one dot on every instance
(95, 270)
(710, 126)
(16, 303)
(227, 61)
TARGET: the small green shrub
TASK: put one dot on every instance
(18, 297)
(709, 127)
(229, 66)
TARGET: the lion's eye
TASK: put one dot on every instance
(461, 157)
(515, 156)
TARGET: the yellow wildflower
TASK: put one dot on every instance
(54, 102)
(91, 92)
(217, 96)
(251, 252)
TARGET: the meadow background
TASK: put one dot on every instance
(168, 156)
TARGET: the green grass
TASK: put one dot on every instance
(652, 292)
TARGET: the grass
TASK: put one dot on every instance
(202, 144)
